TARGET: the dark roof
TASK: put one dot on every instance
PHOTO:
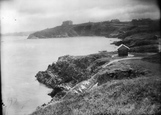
(122, 45)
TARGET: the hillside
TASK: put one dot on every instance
(108, 29)
(140, 35)
(144, 37)
(88, 85)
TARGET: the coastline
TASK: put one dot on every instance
(31, 56)
(111, 29)
(74, 76)
(140, 35)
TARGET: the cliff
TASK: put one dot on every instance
(140, 35)
(59, 31)
(106, 28)
(90, 85)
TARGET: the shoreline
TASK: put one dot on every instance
(93, 68)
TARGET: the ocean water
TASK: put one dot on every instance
(22, 58)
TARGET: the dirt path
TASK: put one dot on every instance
(122, 59)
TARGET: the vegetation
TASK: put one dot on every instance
(87, 85)
(118, 97)
(142, 37)
(139, 34)
(130, 87)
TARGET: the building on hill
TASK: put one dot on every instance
(123, 50)
(115, 20)
(67, 23)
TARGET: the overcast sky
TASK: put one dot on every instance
(32, 15)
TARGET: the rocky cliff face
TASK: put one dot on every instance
(69, 71)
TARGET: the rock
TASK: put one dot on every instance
(55, 91)
(70, 70)
(68, 73)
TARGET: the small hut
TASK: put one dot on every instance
(123, 50)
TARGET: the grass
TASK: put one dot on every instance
(118, 97)
(155, 58)
(137, 96)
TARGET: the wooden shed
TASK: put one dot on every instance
(123, 50)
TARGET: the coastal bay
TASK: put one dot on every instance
(22, 58)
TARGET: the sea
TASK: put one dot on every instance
(22, 59)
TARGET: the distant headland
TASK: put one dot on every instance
(113, 28)
(141, 35)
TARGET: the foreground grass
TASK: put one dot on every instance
(138, 95)
(118, 97)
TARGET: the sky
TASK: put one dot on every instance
(34, 15)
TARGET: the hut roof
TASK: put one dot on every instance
(122, 45)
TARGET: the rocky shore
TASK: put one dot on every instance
(88, 85)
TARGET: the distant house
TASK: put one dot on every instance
(67, 23)
(123, 50)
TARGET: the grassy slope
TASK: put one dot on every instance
(156, 58)
(127, 96)
(136, 96)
